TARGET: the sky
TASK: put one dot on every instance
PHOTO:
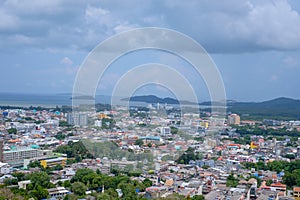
(254, 44)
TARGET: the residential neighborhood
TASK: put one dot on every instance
(176, 155)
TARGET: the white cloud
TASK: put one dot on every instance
(231, 26)
(66, 61)
(7, 21)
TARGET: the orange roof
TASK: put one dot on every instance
(278, 184)
(238, 145)
(296, 189)
(16, 140)
(169, 182)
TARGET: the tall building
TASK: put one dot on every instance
(1, 150)
(298, 151)
(77, 119)
(234, 119)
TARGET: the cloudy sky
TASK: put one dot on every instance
(254, 44)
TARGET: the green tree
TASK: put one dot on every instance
(60, 136)
(39, 193)
(34, 164)
(81, 174)
(147, 182)
(189, 155)
(128, 191)
(231, 181)
(12, 131)
(20, 176)
(269, 182)
(71, 197)
(198, 197)
(67, 184)
(41, 179)
(139, 142)
(174, 130)
(78, 188)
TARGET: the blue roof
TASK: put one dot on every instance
(34, 146)
(150, 138)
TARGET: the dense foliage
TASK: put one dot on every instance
(187, 156)
(291, 169)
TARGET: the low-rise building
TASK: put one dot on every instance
(53, 162)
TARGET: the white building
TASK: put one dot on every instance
(4, 168)
(77, 119)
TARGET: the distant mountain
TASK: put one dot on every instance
(276, 108)
(151, 99)
(279, 108)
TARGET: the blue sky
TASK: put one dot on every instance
(255, 44)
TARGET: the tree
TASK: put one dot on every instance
(128, 190)
(64, 124)
(20, 176)
(34, 164)
(104, 196)
(231, 181)
(6, 194)
(41, 179)
(269, 182)
(80, 174)
(174, 130)
(70, 197)
(290, 156)
(147, 182)
(139, 142)
(78, 188)
(57, 167)
(198, 197)
(39, 193)
(67, 184)
(12, 131)
(60, 136)
(189, 155)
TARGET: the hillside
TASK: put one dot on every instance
(279, 108)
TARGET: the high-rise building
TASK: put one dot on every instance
(298, 151)
(77, 119)
(1, 150)
(234, 119)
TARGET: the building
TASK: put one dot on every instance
(15, 157)
(4, 168)
(58, 192)
(1, 150)
(23, 184)
(234, 119)
(296, 193)
(77, 119)
(53, 162)
(298, 151)
(165, 130)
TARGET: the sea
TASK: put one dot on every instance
(44, 100)
(53, 100)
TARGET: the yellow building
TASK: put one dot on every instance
(204, 124)
(53, 162)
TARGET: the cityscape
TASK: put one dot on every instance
(113, 100)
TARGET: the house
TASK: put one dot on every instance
(296, 193)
